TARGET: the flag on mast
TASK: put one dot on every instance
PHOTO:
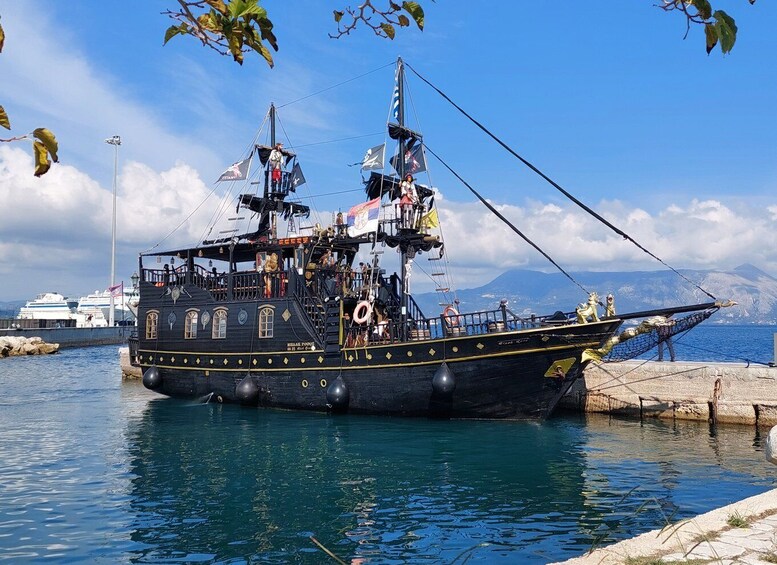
(363, 218)
(431, 219)
(395, 98)
(374, 158)
(415, 161)
(297, 178)
(236, 171)
(116, 290)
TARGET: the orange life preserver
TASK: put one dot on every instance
(451, 316)
(363, 312)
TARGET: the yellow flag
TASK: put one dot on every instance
(431, 219)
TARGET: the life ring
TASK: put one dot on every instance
(363, 312)
(451, 316)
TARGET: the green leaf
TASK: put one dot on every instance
(704, 8)
(41, 156)
(171, 32)
(2, 38)
(4, 121)
(416, 12)
(242, 8)
(403, 20)
(712, 37)
(727, 30)
(388, 29)
(264, 52)
(338, 16)
(48, 140)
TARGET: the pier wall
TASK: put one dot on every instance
(75, 337)
(721, 392)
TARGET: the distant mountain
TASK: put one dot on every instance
(532, 292)
(10, 309)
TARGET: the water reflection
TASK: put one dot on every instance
(215, 482)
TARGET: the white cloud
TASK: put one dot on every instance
(61, 222)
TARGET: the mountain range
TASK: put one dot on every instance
(533, 292)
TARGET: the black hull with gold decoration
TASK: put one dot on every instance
(270, 355)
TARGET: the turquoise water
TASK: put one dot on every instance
(93, 469)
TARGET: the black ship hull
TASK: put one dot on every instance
(496, 375)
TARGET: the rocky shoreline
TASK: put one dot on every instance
(13, 346)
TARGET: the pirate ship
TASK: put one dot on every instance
(294, 322)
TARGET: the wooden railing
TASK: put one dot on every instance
(245, 285)
(466, 324)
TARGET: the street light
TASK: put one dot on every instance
(115, 141)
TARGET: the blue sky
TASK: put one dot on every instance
(675, 146)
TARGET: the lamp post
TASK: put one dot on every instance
(115, 141)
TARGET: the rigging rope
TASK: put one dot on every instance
(556, 185)
(392, 63)
(496, 212)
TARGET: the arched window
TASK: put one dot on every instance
(219, 324)
(266, 319)
(152, 323)
(190, 326)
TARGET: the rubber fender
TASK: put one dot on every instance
(337, 395)
(152, 378)
(247, 391)
(443, 382)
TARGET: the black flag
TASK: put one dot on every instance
(415, 162)
(238, 171)
(297, 178)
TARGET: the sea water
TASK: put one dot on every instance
(93, 469)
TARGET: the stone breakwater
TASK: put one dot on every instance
(11, 346)
(720, 392)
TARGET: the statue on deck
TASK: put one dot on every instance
(586, 310)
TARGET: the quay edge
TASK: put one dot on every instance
(707, 538)
(704, 391)
(75, 337)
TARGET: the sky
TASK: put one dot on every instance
(677, 148)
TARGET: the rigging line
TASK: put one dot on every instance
(307, 188)
(448, 271)
(488, 205)
(335, 85)
(337, 140)
(299, 198)
(617, 230)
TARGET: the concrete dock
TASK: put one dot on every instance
(743, 532)
(732, 393)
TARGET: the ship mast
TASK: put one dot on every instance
(405, 256)
(268, 182)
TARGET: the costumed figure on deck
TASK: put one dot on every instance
(270, 275)
(276, 165)
(408, 201)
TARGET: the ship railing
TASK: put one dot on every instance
(246, 285)
(309, 302)
(253, 285)
(133, 344)
(457, 325)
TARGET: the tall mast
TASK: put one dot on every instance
(401, 171)
(267, 182)
(272, 125)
